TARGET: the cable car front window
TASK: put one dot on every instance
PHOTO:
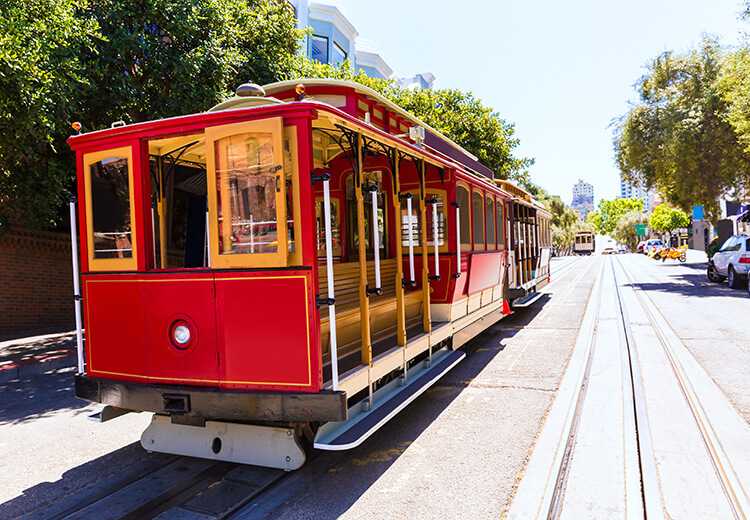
(110, 208)
(247, 178)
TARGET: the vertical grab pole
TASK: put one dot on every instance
(458, 241)
(410, 230)
(76, 283)
(375, 238)
(331, 292)
(436, 246)
(153, 230)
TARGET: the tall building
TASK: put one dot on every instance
(583, 198)
(334, 39)
(634, 191)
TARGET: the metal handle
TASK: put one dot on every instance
(436, 247)
(458, 241)
(76, 284)
(410, 232)
(376, 240)
(329, 276)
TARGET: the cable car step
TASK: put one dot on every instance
(527, 300)
(388, 401)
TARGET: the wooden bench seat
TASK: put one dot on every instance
(382, 308)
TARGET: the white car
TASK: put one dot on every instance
(731, 262)
(654, 243)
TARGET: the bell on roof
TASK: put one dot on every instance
(250, 89)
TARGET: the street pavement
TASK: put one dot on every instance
(459, 451)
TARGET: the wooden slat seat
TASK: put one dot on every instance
(382, 308)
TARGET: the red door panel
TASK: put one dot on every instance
(113, 321)
(484, 271)
(191, 301)
(264, 331)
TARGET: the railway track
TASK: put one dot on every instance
(638, 429)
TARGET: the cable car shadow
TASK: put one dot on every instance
(332, 482)
(692, 285)
(84, 484)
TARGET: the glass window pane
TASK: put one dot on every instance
(490, 212)
(320, 235)
(338, 54)
(439, 209)
(478, 220)
(247, 180)
(462, 199)
(415, 223)
(110, 205)
(319, 48)
(500, 224)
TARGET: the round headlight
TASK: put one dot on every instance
(181, 334)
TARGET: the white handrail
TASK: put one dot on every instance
(153, 234)
(375, 238)
(331, 293)
(76, 285)
(411, 239)
(435, 237)
(458, 240)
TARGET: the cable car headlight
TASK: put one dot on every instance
(180, 334)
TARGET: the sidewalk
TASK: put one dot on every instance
(23, 357)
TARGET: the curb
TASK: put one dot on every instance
(38, 364)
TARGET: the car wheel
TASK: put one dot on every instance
(712, 275)
(732, 279)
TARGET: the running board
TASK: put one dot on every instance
(388, 401)
(527, 300)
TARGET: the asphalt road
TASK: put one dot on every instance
(457, 451)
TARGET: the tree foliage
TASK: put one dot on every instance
(624, 231)
(107, 60)
(610, 212)
(677, 138)
(457, 114)
(41, 73)
(666, 219)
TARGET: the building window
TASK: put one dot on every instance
(339, 55)
(319, 48)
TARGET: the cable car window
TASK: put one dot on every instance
(320, 229)
(489, 209)
(478, 219)
(439, 209)
(247, 195)
(110, 204)
(500, 225)
(110, 209)
(462, 199)
(248, 178)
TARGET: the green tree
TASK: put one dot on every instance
(624, 231)
(594, 219)
(107, 60)
(678, 138)
(170, 57)
(41, 74)
(734, 87)
(457, 114)
(666, 219)
(611, 211)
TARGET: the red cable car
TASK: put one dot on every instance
(288, 269)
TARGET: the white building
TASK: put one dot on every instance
(632, 191)
(583, 198)
(334, 39)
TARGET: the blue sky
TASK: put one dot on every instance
(561, 71)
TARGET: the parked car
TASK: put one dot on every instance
(609, 250)
(731, 262)
(652, 244)
(622, 249)
(640, 246)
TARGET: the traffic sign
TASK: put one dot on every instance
(640, 230)
(698, 212)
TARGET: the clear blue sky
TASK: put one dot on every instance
(561, 71)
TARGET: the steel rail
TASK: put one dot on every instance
(725, 473)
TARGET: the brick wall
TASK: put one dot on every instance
(36, 284)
